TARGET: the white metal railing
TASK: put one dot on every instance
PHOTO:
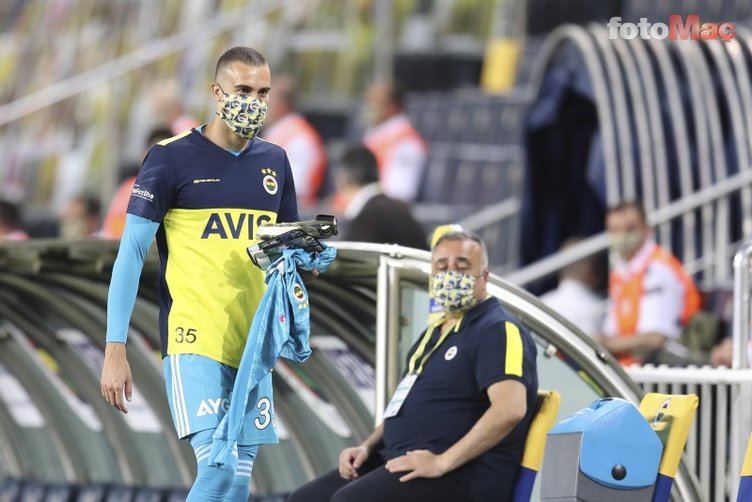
(742, 296)
(705, 197)
(716, 443)
(719, 433)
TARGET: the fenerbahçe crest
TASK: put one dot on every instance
(298, 292)
(270, 181)
(300, 296)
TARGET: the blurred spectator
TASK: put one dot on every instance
(305, 148)
(722, 354)
(651, 296)
(167, 101)
(371, 215)
(399, 148)
(576, 297)
(80, 219)
(114, 220)
(10, 222)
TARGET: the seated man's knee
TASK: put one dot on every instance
(305, 493)
(340, 496)
(319, 489)
(347, 493)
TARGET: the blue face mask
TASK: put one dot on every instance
(244, 114)
(454, 291)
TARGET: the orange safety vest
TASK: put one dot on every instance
(296, 125)
(114, 222)
(626, 293)
(383, 142)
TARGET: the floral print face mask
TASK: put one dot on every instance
(453, 291)
(243, 114)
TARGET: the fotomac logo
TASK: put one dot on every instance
(677, 29)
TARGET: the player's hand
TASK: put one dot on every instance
(308, 275)
(418, 464)
(350, 459)
(116, 381)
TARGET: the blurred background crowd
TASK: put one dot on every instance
(84, 82)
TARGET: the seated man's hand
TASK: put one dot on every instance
(418, 464)
(350, 459)
(722, 354)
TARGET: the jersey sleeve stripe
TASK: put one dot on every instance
(513, 362)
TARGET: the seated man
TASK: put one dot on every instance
(371, 215)
(455, 427)
(651, 296)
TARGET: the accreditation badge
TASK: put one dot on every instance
(403, 389)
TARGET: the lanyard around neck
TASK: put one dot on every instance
(416, 368)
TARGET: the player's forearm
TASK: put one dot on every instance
(492, 427)
(126, 271)
(372, 441)
(121, 298)
(644, 342)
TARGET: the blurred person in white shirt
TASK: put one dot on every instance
(576, 297)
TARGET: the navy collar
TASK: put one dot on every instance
(478, 310)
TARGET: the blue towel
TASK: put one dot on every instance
(280, 327)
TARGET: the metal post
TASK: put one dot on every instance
(740, 421)
(382, 328)
(741, 306)
(393, 332)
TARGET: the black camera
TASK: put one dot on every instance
(275, 238)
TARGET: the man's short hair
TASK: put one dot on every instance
(157, 134)
(628, 204)
(92, 205)
(466, 235)
(359, 164)
(245, 55)
(10, 214)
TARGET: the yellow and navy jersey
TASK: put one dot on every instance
(487, 346)
(209, 203)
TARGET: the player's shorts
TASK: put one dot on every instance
(199, 390)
